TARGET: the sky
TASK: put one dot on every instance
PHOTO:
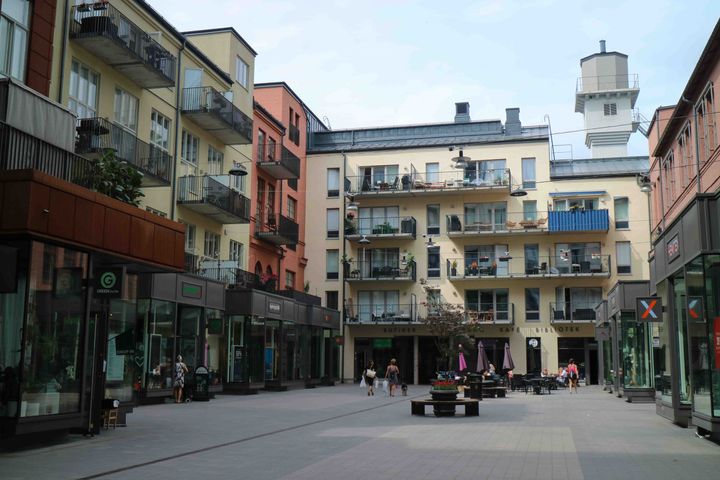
(362, 63)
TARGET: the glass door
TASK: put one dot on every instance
(237, 361)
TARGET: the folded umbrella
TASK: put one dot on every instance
(462, 363)
(482, 363)
(508, 363)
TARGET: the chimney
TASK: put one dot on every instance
(462, 112)
(512, 121)
(602, 46)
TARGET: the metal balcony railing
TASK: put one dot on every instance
(278, 161)
(384, 313)
(214, 112)
(607, 82)
(303, 297)
(277, 229)
(381, 227)
(294, 134)
(19, 150)
(210, 197)
(103, 30)
(96, 135)
(495, 221)
(494, 266)
(568, 312)
(388, 270)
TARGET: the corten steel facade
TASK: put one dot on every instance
(684, 258)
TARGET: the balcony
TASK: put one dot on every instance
(389, 271)
(102, 30)
(97, 135)
(277, 161)
(578, 221)
(303, 297)
(19, 150)
(497, 223)
(294, 134)
(210, 196)
(277, 229)
(430, 183)
(507, 267)
(383, 314)
(212, 111)
(490, 313)
(390, 228)
(572, 312)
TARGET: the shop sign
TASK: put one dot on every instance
(649, 309)
(109, 282)
(399, 330)
(274, 307)
(672, 247)
(190, 290)
(695, 310)
(716, 342)
(382, 342)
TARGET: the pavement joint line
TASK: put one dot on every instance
(241, 440)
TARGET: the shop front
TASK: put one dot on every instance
(178, 315)
(685, 273)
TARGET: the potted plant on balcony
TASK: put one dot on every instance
(306, 288)
(350, 226)
(116, 179)
(453, 268)
(410, 259)
(268, 282)
(346, 261)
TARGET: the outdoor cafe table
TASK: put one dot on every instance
(538, 384)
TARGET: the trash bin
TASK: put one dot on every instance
(201, 390)
(475, 381)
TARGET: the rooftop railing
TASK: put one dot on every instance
(607, 82)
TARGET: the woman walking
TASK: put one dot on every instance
(392, 375)
(369, 374)
(573, 375)
(180, 371)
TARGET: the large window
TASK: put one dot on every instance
(261, 146)
(159, 318)
(565, 204)
(159, 131)
(622, 214)
(126, 109)
(668, 177)
(578, 257)
(241, 72)
(532, 304)
(212, 245)
(332, 262)
(433, 219)
(528, 173)
(381, 305)
(378, 220)
(486, 173)
(706, 124)
(292, 208)
(687, 160)
(530, 213)
(215, 161)
(84, 84)
(624, 257)
(189, 153)
(433, 262)
(380, 178)
(333, 182)
(333, 223)
(488, 305)
(432, 172)
(532, 260)
(236, 253)
(14, 27)
(485, 216)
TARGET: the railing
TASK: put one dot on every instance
(275, 224)
(607, 82)
(294, 134)
(388, 270)
(578, 221)
(389, 312)
(208, 190)
(208, 100)
(19, 150)
(102, 19)
(497, 312)
(468, 178)
(572, 311)
(303, 297)
(495, 221)
(276, 153)
(476, 266)
(388, 226)
(95, 135)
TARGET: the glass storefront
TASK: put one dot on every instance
(635, 352)
(663, 379)
(123, 374)
(159, 322)
(236, 371)
(709, 351)
(12, 303)
(215, 349)
(684, 390)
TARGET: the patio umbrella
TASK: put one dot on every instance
(482, 363)
(461, 363)
(508, 363)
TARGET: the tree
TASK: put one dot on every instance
(116, 179)
(450, 325)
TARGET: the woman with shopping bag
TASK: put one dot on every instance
(369, 375)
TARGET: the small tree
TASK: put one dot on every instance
(117, 179)
(450, 325)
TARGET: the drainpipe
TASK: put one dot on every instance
(342, 269)
(697, 150)
(63, 48)
(173, 180)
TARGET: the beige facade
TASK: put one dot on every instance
(516, 223)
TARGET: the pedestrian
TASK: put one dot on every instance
(573, 374)
(370, 375)
(392, 375)
(180, 371)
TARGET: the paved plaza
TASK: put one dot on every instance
(339, 433)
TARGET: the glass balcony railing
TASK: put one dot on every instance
(277, 229)
(211, 197)
(214, 111)
(569, 312)
(492, 313)
(276, 160)
(497, 221)
(404, 227)
(388, 270)
(507, 266)
(384, 313)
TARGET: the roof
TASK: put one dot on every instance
(291, 92)
(599, 167)
(601, 54)
(258, 106)
(658, 109)
(694, 88)
(206, 31)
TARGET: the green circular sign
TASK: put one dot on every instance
(107, 280)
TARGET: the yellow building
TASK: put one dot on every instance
(476, 214)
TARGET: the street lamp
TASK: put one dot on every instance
(518, 192)
(238, 171)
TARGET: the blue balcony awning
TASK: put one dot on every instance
(589, 193)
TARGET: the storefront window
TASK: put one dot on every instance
(237, 370)
(124, 335)
(56, 307)
(681, 330)
(292, 352)
(159, 342)
(711, 358)
(12, 301)
(663, 381)
(635, 352)
(608, 368)
(214, 347)
(256, 350)
(272, 350)
(188, 331)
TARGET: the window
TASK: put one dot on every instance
(582, 257)
(333, 182)
(331, 299)
(126, 108)
(378, 220)
(261, 146)
(212, 245)
(289, 280)
(159, 131)
(189, 237)
(241, 72)
(333, 223)
(433, 219)
(432, 172)
(528, 173)
(380, 177)
(292, 183)
(488, 305)
(381, 305)
(563, 205)
(706, 123)
(668, 173)
(189, 153)
(236, 253)
(14, 27)
(610, 109)
(215, 161)
(532, 260)
(271, 150)
(433, 262)
(532, 304)
(687, 162)
(194, 79)
(83, 90)
(292, 208)
(485, 216)
(485, 173)
(624, 257)
(622, 216)
(156, 212)
(530, 210)
(332, 260)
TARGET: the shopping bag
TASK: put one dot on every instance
(385, 386)
(376, 383)
(362, 383)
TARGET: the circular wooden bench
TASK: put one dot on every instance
(446, 407)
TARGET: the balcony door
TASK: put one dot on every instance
(485, 216)
(378, 305)
(578, 257)
(377, 220)
(489, 305)
(379, 262)
(485, 172)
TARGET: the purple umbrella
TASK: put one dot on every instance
(508, 363)
(482, 362)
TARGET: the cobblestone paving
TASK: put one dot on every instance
(339, 433)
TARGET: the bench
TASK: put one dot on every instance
(446, 407)
(494, 392)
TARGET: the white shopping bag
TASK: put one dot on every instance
(362, 383)
(385, 386)
(376, 383)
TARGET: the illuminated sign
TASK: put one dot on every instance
(673, 248)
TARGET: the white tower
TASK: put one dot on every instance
(606, 96)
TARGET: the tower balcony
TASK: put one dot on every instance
(277, 161)
(277, 229)
(215, 113)
(210, 196)
(594, 86)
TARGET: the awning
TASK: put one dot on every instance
(589, 193)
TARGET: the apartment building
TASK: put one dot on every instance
(684, 186)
